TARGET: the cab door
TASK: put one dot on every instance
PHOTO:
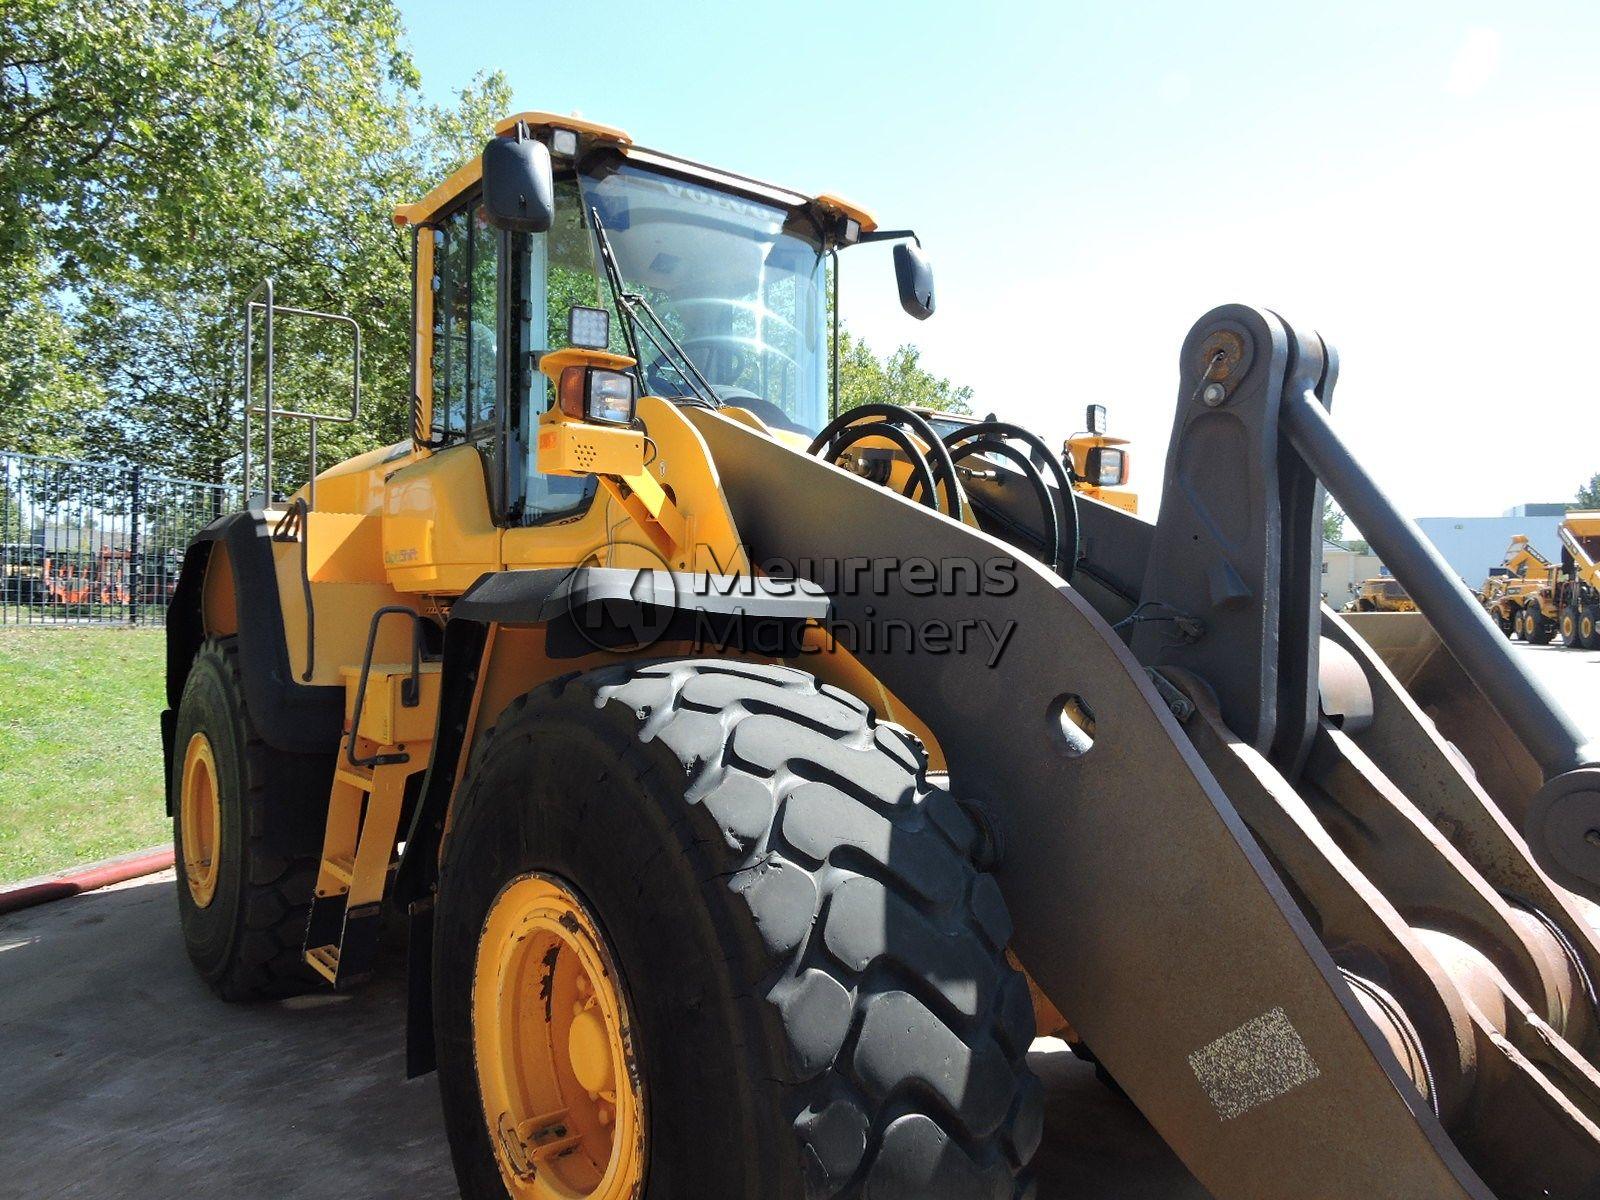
(439, 528)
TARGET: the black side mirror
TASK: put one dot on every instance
(518, 190)
(914, 276)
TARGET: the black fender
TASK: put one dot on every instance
(290, 716)
(582, 609)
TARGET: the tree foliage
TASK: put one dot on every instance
(163, 157)
(1332, 521)
(864, 378)
(159, 158)
(1588, 496)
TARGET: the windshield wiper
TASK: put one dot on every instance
(632, 303)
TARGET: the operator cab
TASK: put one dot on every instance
(714, 284)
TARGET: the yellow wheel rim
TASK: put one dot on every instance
(554, 1049)
(200, 820)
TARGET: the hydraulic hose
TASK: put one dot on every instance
(880, 417)
(921, 470)
(991, 437)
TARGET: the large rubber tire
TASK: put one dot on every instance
(246, 943)
(1537, 627)
(1569, 628)
(814, 963)
(1589, 627)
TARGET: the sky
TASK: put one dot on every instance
(1417, 181)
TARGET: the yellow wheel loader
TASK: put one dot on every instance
(1381, 595)
(753, 781)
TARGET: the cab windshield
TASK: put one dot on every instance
(739, 283)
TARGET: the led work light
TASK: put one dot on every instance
(588, 327)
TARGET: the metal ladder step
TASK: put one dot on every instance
(325, 961)
(342, 868)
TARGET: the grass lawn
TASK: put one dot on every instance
(80, 746)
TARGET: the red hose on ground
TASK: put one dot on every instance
(98, 875)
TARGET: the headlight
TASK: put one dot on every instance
(1108, 466)
(593, 394)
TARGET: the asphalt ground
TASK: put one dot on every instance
(123, 1076)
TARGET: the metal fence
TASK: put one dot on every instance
(92, 543)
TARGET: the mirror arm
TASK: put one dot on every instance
(889, 235)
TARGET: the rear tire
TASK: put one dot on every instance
(1572, 636)
(244, 917)
(1589, 627)
(814, 966)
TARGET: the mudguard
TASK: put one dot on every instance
(289, 715)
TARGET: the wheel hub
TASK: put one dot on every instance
(200, 820)
(554, 1049)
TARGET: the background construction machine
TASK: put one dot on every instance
(1534, 599)
(729, 764)
(1381, 594)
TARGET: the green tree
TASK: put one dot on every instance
(864, 378)
(1589, 494)
(1332, 520)
(251, 139)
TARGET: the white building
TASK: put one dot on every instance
(1471, 545)
(1343, 569)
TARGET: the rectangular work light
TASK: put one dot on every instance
(588, 327)
(564, 143)
(1108, 466)
(595, 394)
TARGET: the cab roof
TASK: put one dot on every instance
(592, 135)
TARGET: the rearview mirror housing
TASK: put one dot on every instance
(518, 188)
(914, 276)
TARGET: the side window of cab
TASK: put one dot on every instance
(465, 328)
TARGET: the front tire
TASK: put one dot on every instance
(811, 965)
(1536, 627)
(247, 830)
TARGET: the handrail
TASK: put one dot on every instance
(267, 409)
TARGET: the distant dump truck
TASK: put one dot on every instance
(1534, 599)
(1511, 585)
(1382, 594)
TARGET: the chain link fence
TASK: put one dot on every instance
(93, 543)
